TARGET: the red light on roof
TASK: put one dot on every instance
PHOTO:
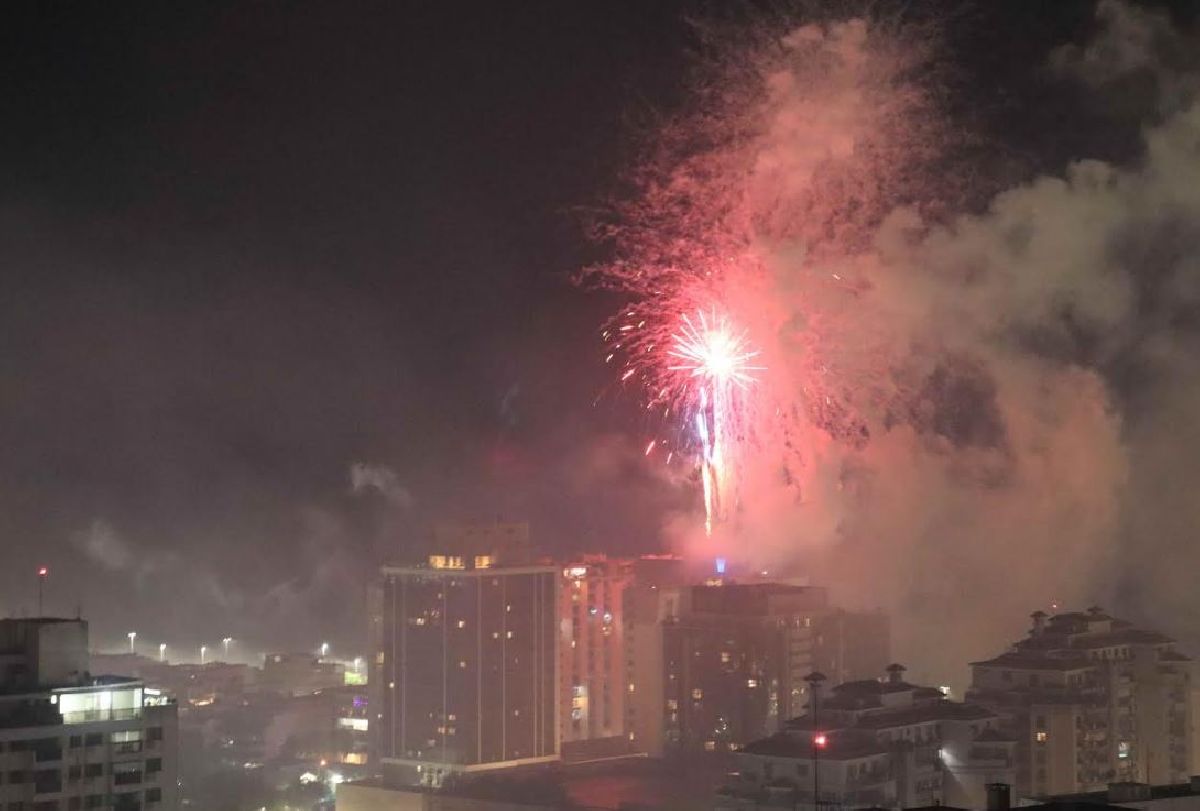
(43, 571)
(819, 740)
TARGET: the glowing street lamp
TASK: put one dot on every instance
(226, 642)
(162, 651)
(132, 638)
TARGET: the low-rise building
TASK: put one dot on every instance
(876, 743)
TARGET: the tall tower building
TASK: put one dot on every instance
(1091, 700)
(70, 740)
(468, 664)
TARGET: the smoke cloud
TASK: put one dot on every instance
(970, 412)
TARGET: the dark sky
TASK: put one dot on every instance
(247, 246)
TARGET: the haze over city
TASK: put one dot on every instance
(891, 304)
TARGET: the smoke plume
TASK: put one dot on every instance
(969, 411)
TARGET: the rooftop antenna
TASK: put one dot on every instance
(43, 572)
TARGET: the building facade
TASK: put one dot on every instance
(592, 672)
(735, 657)
(468, 668)
(876, 743)
(1091, 700)
(70, 740)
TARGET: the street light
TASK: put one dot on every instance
(162, 651)
(132, 636)
(226, 642)
(819, 740)
(203, 650)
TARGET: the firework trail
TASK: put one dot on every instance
(718, 358)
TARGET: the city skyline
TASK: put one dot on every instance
(290, 289)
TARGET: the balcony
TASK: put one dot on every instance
(88, 716)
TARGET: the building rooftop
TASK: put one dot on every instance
(800, 746)
(1030, 661)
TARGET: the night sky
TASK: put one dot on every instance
(247, 247)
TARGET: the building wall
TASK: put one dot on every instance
(647, 608)
(469, 665)
(592, 636)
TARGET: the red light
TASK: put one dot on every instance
(43, 571)
(819, 740)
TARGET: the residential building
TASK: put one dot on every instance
(468, 669)
(735, 657)
(1091, 700)
(70, 740)
(876, 743)
(592, 670)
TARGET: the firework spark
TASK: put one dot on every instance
(719, 360)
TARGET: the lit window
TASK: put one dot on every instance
(1041, 737)
(697, 693)
(751, 682)
(631, 687)
(508, 634)
(483, 561)
(710, 746)
(462, 663)
(437, 561)
(725, 657)
(462, 623)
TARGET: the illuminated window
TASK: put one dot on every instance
(725, 657)
(1041, 737)
(437, 561)
(751, 682)
(483, 561)
(710, 746)
(462, 623)
(508, 634)
(631, 687)
(697, 693)
(462, 663)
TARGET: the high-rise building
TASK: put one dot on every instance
(592, 673)
(1091, 700)
(468, 668)
(70, 740)
(876, 743)
(735, 658)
